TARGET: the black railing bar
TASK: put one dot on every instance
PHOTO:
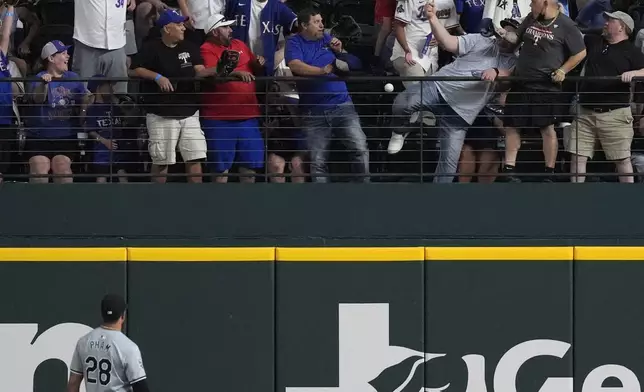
(343, 78)
(308, 175)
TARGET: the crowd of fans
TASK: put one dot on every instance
(122, 87)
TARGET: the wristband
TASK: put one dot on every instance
(496, 70)
(156, 78)
(8, 13)
(561, 71)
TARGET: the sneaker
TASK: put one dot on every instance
(414, 117)
(512, 178)
(396, 142)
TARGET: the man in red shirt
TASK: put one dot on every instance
(230, 114)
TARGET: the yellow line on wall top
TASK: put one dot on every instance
(617, 253)
(499, 253)
(63, 254)
(201, 254)
(350, 254)
(322, 254)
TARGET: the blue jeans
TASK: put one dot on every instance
(340, 121)
(452, 128)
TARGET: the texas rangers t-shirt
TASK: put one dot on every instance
(412, 13)
(546, 46)
(55, 119)
(103, 119)
(471, 14)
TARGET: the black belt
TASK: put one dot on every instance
(603, 109)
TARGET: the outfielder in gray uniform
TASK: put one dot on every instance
(107, 359)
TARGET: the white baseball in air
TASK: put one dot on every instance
(389, 87)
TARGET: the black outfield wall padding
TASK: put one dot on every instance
(469, 319)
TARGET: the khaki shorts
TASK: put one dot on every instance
(404, 69)
(614, 129)
(166, 134)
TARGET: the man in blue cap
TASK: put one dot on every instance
(172, 106)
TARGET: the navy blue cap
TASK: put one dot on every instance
(113, 306)
(170, 16)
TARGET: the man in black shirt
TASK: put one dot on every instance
(172, 106)
(604, 110)
(552, 47)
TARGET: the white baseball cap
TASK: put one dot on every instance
(217, 20)
(52, 48)
(624, 17)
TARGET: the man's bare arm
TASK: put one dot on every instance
(443, 37)
(74, 383)
(34, 25)
(39, 95)
(7, 24)
(573, 61)
(399, 33)
(202, 72)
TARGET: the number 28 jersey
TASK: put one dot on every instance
(412, 13)
(108, 361)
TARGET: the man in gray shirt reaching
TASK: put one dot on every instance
(456, 104)
(107, 359)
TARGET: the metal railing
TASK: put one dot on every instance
(286, 138)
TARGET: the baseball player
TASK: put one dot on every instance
(107, 359)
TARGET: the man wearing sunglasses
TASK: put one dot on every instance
(230, 114)
(604, 110)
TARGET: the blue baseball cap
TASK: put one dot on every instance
(53, 47)
(94, 83)
(170, 16)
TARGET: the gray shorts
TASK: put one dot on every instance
(90, 61)
(130, 39)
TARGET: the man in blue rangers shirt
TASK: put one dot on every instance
(325, 104)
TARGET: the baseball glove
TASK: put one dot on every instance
(228, 62)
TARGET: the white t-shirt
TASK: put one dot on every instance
(475, 54)
(412, 13)
(504, 9)
(100, 24)
(254, 28)
(201, 10)
(108, 361)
